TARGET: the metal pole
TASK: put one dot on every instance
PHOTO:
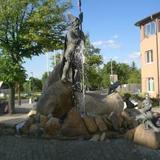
(47, 63)
(111, 67)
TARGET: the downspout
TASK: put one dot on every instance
(157, 60)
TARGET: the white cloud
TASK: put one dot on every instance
(108, 43)
(134, 55)
(115, 58)
(115, 36)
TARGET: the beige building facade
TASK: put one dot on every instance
(150, 54)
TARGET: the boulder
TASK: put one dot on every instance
(43, 120)
(107, 122)
(98, 106)
(114, 103)
(54, 76)
(73, 125)
(147, 137)
(56, 100)
(130, 134)
(100, 123)
(129, 122)
(95, 138)
(94, 106)
(25, 128)
(116, 120)
(32, 113)
(90, 124)
(103, 136)
(35, 130)
(52, 127)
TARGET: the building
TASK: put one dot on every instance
(150, 54)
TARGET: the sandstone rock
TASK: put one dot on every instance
(100, 123)
(56, 99)
(95, 138)
(52, 127)
(90, 124)
(116, 120)
(26, 126)
(73, 125)
(43, 120)
(94, 106)
(147, 138)
(112, 102)
(113, 134)
(54, 76)
(32, 113)
(129, 134)
(35, 130)
(103, 136)
(129, 122)
(107, 122)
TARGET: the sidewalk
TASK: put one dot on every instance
(19, 116)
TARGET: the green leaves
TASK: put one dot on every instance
(126, 74)
(93, 60)
(28, 27)
(9, 71)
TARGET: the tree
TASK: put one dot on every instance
(121, 69)
(126, 74)
(27, 28)
(44, 78)
(93, 60)
(36, 84)
(135, 74)
(56, 59)
(11, 74)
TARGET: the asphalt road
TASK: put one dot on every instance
(14, 148)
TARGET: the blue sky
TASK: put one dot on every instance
(110, 25)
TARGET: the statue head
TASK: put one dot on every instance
(75, 22)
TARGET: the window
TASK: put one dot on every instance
(149, 56)
(150, 29)
(150, 84)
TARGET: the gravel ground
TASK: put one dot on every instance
(14, 148)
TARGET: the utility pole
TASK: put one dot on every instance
(111, 67)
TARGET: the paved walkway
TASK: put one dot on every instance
(14, 148)
(20, 116)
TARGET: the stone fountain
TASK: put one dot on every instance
(66, 110)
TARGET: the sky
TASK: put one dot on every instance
(110, 25)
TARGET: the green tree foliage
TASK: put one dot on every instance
(30, 27)
(56, 58)
(93, 60)
(36, 84)
(44, 78)
(33, 85)
(13, 75)
(27, 28)
(126, 74)
(135, 74)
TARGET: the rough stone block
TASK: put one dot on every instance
(147, 137)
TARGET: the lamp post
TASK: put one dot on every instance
(31, 91)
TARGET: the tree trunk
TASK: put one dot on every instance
(12, 99)
(19, 94)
